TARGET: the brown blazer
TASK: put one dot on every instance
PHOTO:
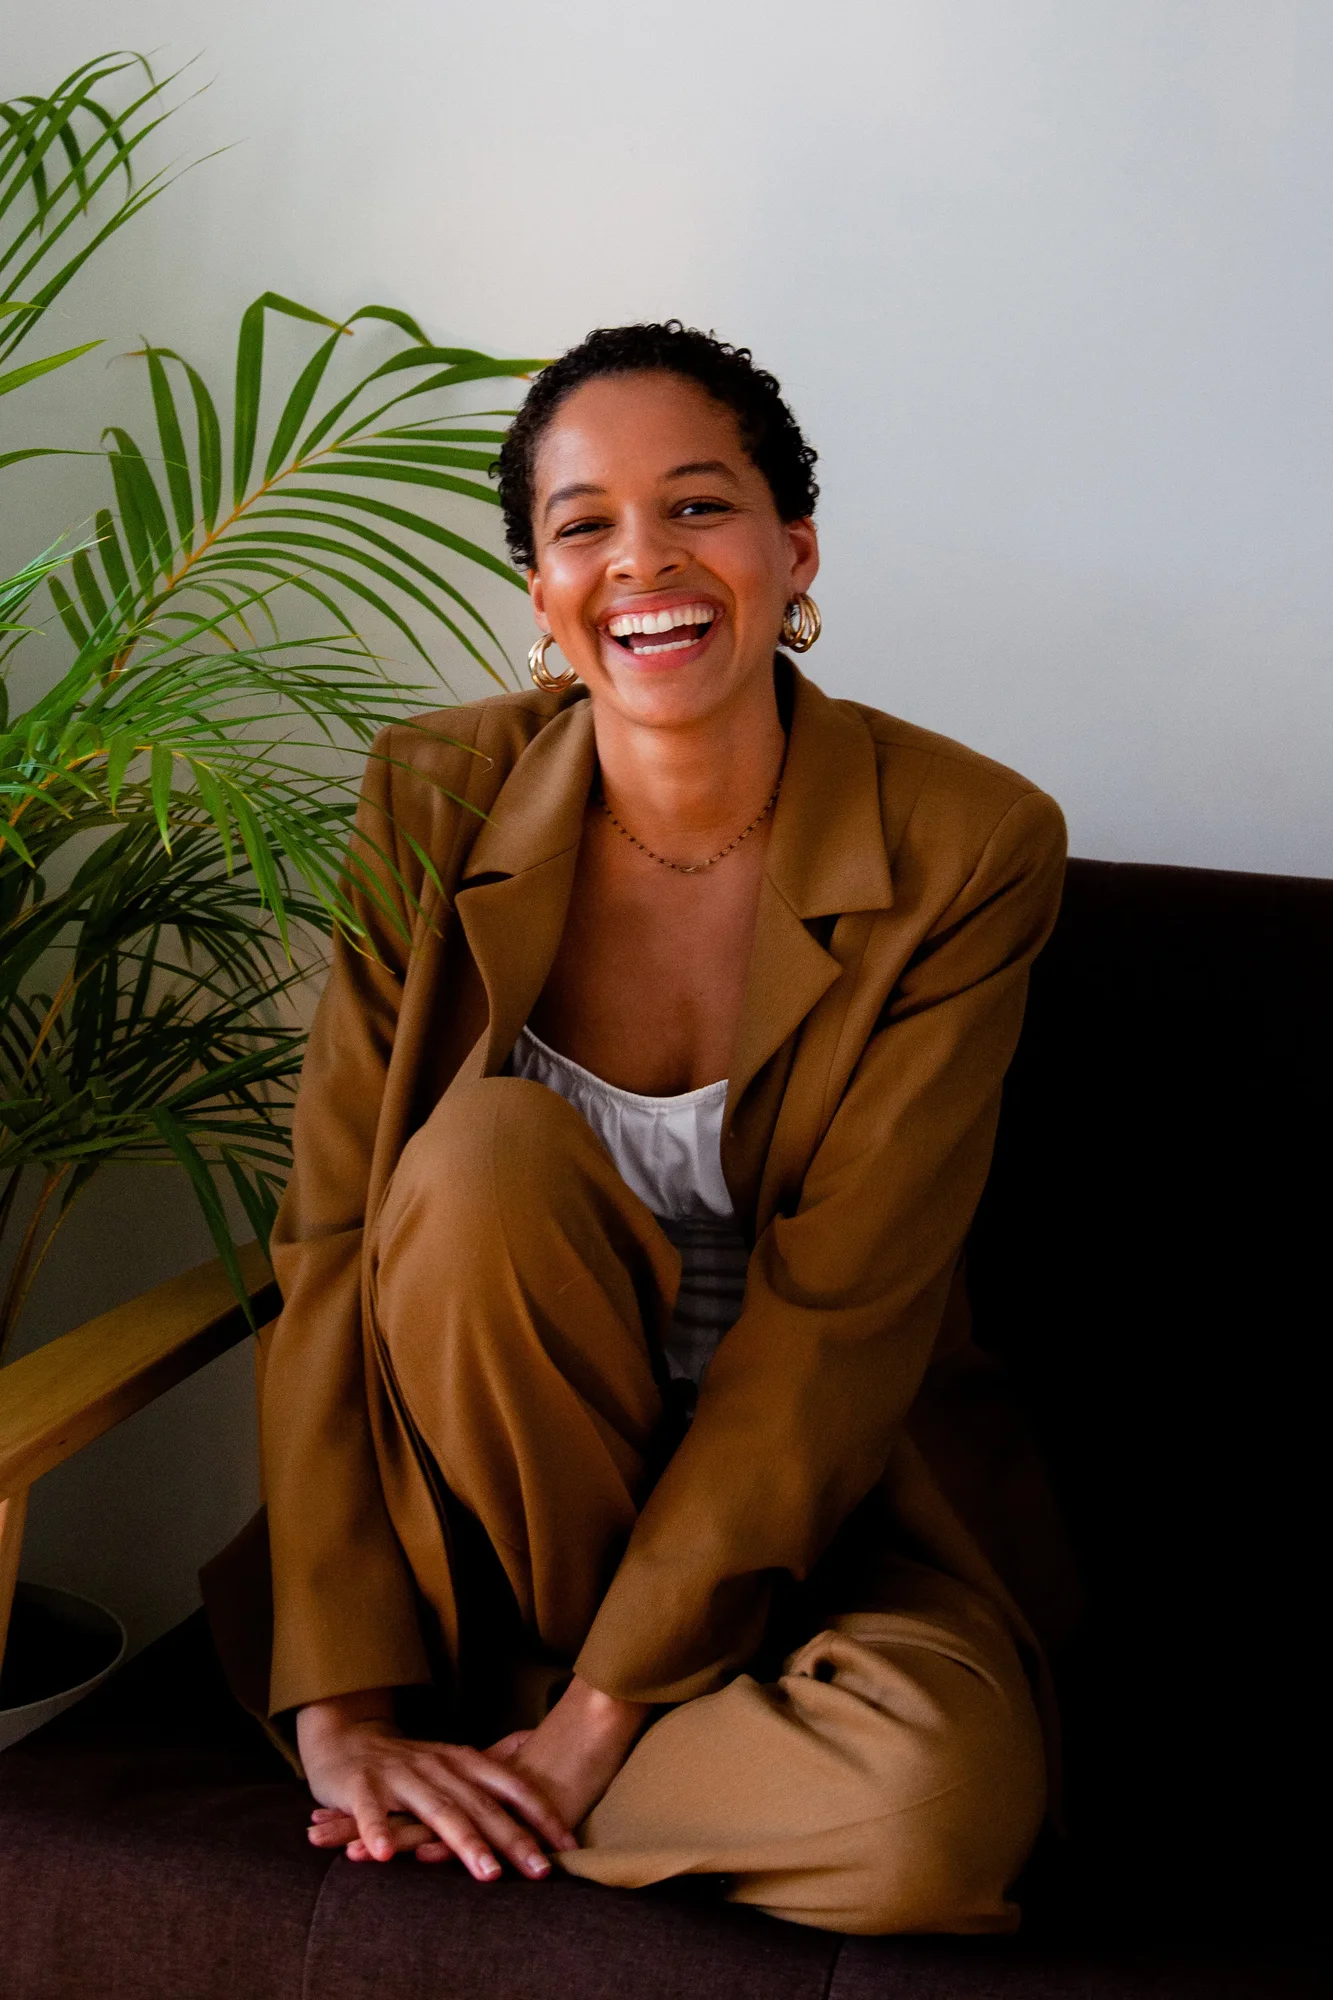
(909, 885)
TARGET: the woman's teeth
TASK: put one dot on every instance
(639, 631)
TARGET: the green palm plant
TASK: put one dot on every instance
(59, 156)
(175, 809)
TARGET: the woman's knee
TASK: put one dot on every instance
(947, 1781)
(490, 1148)
(945, 1862)
(506, 1224)
(480, 1132)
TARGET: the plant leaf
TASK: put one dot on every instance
(298, 403)
(85, 580)
(130, 472)
(249, 378)
(113, 559)
(174, 455)
(163, 765)
(178, 1139)
(69, 617)
(14, 378)
(256, 1198)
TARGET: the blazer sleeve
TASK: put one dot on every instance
(798, 1411)
(344, 1611)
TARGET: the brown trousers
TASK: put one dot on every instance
(890, 1777)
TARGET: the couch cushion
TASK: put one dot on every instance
(151, 1844)
(428, 1933)
(152, 1848)
(143, 1875)
(975, 1969)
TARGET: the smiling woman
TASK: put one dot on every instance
(618, 1398)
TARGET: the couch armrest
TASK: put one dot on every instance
(69, 1392)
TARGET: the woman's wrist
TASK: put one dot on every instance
(322, 1724)
(604, 1715)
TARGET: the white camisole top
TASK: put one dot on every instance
(669, 1150)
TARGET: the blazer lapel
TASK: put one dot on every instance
(827, 871)
(826, 858)
(514, 894)
(790, 972)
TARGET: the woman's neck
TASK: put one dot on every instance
(681, 786)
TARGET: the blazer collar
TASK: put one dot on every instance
(826, 857)
(513, 895)
(538, 812)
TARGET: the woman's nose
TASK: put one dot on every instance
(646, 551)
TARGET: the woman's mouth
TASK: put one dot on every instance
(648, 634)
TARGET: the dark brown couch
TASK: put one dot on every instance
(1150, 1261)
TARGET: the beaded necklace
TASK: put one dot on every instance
(694, 867)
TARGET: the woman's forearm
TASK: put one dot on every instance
(576, 1752)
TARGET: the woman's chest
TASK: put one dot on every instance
(648, 980)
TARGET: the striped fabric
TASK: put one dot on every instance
(669, 1150)
(713, 1258)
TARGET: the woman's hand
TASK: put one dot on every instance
(382, 1792)
(567, 1761)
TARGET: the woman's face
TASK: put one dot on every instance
(646, 509)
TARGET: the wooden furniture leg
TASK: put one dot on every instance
(12, 1514)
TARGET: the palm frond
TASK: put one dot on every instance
(66, 159)
(176, 806)
(307, 521)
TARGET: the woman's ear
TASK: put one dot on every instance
(803, 541)
(535, 592)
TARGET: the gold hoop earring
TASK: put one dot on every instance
(542, 676)
(801, 624)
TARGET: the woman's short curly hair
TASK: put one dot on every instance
(769, 432)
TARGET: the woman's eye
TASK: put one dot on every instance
(578, 528)
(703, 507)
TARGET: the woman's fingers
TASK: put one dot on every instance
(509, 1745)
(408, 1834)
(520, 1792)
(331, 1829)
(435, 1850)
(455, 1829)
(441, 1800)
(372, 1826)
(487, 1830)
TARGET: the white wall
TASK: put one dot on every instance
(1048, 281)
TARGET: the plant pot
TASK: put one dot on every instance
(60, 1648)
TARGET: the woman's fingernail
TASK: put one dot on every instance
(538, 1865)
(488, 1868)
